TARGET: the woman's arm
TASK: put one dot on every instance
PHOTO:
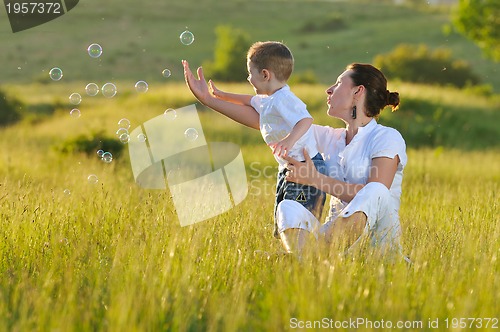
(245, 115)
(382, 170)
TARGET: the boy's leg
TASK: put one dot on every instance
(311, 198)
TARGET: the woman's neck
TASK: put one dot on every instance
(353, 126)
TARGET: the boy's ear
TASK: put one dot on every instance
(266, 74)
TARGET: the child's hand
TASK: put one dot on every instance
(282, 147)
(198, 86)
(214, 90)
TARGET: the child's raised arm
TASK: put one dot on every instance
(236, 98)
(243, 114)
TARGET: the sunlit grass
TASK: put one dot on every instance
(111, 256)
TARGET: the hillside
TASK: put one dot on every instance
(140, 39)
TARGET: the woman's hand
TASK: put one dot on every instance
(302, 172)
(198, 87)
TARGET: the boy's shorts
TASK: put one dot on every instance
(311, 198)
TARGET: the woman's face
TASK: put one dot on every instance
(340, 96)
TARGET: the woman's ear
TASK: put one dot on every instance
(360, 89)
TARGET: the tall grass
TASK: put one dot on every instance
(111, 256)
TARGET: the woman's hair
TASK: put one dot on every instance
(375, 83)
(273, 56)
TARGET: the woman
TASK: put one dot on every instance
(365, 163)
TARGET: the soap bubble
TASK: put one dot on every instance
(107, 157)
(92, 179)
(100, 153)
(67, 192)
(170, 114)
(121, 131)
(75, 113)
(191, 134)
(108, 90)
(124, 123)
(166, 73)
(56, 74)
(141, 86)
(141, 137)
(94, 50)
(92, 89)
(75, 98)
(124, 138)
(187, 37)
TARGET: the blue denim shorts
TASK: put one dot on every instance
(311, 198)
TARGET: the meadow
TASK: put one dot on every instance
(110, 256)
(78, 256)
(140, 39)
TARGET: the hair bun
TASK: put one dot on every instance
(392, 100)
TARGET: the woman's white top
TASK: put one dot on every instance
(351, 163)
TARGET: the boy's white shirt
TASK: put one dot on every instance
(279, 113)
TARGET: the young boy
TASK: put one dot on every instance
(284, 120)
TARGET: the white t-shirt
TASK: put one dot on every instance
(351, 163)
(279, 113)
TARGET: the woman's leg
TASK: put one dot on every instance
(372, 213)
(345, 231)
(295, 224)
(294, 240)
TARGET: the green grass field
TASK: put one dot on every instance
(77, 256)
(80, 256)
(140, 39)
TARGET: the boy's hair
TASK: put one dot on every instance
(273, 56)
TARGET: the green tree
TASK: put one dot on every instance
(479, 20)
(229, 56)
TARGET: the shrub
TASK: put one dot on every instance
(10, 110)
(229, 63)
(418, 64)
(90, 144)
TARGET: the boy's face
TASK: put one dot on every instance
(256, 78)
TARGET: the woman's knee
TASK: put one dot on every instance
(378, 191)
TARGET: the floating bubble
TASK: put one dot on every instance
(75, 98)
(124, 138)
(166, 73)
(191, 134)
(107, 157)
(170, 114)
(92, 89)
(67, 192)
(141, 137)
(187, 37)
(94, 50)
(124, 123)
(75, 113)
(141, 86)
(92, 179)
(108, 90)
(55, 73)
(100, 153)
(121, 131)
